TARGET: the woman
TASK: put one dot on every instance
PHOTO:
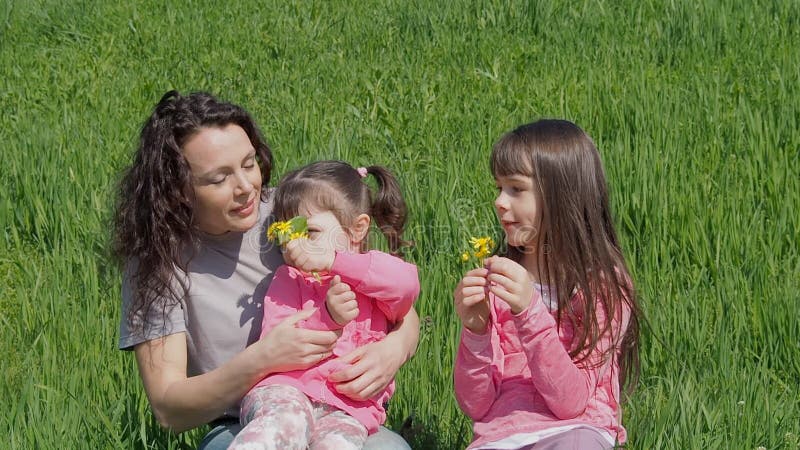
(190, 229)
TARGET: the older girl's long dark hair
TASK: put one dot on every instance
(579, 246)
(154, 227)
(338, 187)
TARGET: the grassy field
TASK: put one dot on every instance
(695, 107)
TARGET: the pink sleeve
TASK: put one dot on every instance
(392, 282)
(282, 299)
(477, 372)
(565, 386)
(285, 297)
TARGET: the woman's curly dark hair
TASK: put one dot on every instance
(154, 219)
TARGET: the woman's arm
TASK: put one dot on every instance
(180, 402)
(373, 366)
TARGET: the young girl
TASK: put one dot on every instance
(361, 294)
(550, 329)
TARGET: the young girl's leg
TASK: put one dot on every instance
(275, 417)
(337, 430)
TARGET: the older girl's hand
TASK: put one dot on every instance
(470, 300)
(509, 282)
(287, 347)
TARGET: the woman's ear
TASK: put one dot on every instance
(360, 228)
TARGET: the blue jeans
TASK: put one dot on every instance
(221, 436)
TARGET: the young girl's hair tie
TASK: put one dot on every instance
(362, 171)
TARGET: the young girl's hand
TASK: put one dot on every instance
(509, 282)
(308, 255)
(470, 300)
(341, 302)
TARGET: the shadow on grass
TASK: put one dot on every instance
(425, 437)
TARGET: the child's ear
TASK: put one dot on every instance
(360, 228)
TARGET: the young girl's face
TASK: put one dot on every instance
(325, 230)
(519, 208)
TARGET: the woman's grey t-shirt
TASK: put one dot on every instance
(228, 278)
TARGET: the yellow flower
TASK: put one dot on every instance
(272, 231)
(289, 230)
(298, 235)
(284, 232)
(482, 246)
(480, 243)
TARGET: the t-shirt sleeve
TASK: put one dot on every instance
(140, 325)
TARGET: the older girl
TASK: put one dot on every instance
(550, 329)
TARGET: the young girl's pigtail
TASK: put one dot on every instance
(388, 208)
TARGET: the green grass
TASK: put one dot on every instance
(695, 107)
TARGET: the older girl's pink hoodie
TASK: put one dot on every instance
(385, 287)
(518, 377)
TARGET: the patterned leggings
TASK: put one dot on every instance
(279, 417)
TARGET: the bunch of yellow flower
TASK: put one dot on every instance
(481, 248)
(289, 230)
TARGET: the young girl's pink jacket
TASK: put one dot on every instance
(385, 287)
(519, 378)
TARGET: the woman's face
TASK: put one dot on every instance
(226, 179)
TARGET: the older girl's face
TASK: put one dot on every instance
(226, 179)
(519, 208)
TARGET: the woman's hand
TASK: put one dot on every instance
(470, 300)
(368, 370)
(308, 255)
(509, 282)
(288, 347)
